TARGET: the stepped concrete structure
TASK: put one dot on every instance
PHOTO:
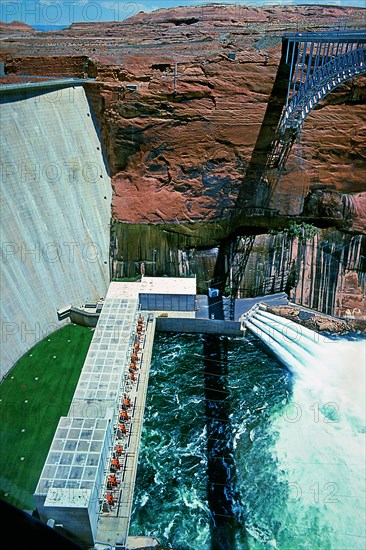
(55, 211)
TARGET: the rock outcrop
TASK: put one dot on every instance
(15, 27)
(317, 322)
(325, 273)
(70, 66)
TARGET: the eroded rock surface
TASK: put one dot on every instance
(180, 96)
(317, 322)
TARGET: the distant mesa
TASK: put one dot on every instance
(15, 26)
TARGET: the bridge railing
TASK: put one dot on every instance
(318, 63)
(323, 80)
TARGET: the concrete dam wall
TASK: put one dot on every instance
(55, 213)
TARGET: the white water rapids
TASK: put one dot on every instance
(320, 440)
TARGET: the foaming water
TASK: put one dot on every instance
(320, 450)
(298, 446)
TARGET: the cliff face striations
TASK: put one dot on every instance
(326, 273)
(180, 96)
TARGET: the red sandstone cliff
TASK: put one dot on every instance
(14, 26)
(180, 139)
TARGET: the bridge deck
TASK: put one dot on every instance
(317, 63)
(326, 36)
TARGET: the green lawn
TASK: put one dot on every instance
(33, 396)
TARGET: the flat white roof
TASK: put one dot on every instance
(73, 459)
(168, 285)
(153, 285)
(102, 376)
(123, 290)
(68, 498)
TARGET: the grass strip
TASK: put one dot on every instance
(33, 396)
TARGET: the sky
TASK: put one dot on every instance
(65, 12)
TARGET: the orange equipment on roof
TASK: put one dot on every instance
(115, 463)
(112, 482)
(119, 450)
(110, 499)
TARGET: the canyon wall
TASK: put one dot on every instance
(180, 96)
(55, 213)
(326, 273)
(182, 157)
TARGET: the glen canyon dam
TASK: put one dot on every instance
(183, 275)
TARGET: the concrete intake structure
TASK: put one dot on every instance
(55, 216)
(87, 482)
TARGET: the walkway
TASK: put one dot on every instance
(44, 85)
(115, 518)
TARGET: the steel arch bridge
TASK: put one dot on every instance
(318, 63)
(312, 65)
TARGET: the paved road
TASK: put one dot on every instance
(245, 304)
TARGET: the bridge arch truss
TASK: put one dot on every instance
(319, 62)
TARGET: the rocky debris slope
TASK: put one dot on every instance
(317, 322)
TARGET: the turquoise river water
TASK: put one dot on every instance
(240, 452)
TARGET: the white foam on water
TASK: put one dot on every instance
(168, 528)
(321, 447)
(145, 497)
